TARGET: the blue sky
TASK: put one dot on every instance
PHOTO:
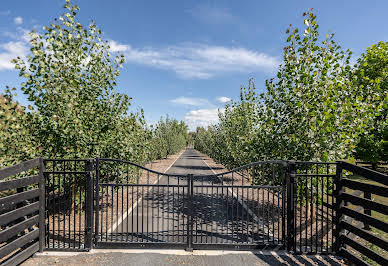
(187, 58)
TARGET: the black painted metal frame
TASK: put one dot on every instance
(189, 218)
(256, 206)
(299, 206)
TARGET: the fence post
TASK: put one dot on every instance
(291, 172)
(284, 201)
(190, 213)
(367, 195)
(337, 206)
(42, 205)
(89, 204)
(97, 202)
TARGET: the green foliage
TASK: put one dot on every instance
(169, 136)
(371, 77)
(312, 110)
(16, 141)
(70, 77)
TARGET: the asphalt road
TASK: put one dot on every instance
(160, 215)
(153, 257)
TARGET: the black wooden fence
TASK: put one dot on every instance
(22, 205)
(330, 208)
(362, 219)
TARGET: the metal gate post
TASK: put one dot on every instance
(284, 195)
(291, 173)
(97, 202)
(42, 206)
(337, 206)
(89, 204)
(190, 213)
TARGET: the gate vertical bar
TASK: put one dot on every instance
(284, 189)
(42, 206)
(97, 202)
(291, 172)
(89, 204)
(190, 213)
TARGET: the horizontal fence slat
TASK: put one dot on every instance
(17, 183)
(314, 175)
(365, 172)
(15, 169)
(238, 186)
(364, 250)
(365, 235)
(12, 200)
(366, 203)
(141, 185)
(65, 173)
(358, 216)
(16, 229)
(18, 213)
(23, 255)
(357, 185)
(353, 258)
(18, 243)
(67, 160)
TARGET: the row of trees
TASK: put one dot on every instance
(70, 77)
(319, 107)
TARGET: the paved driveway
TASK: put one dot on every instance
(178, 257)
(161, 214)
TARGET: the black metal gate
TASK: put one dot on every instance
(109, 203)
(139, 207)
(235, 210)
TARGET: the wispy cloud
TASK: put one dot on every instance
(199, 61)
(17, 46)
(116, 47)
(11, 50)
(212, 14)
(18, 20)
(202, 118)
(190, 101)
(223, 99)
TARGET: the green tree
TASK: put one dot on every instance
(371, 79)
(17, 143)
(169, 136)
(70, 78)
(311, 109)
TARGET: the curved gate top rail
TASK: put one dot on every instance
(136, 165)
(246, 166)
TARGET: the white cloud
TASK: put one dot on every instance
(202, 61)
(190, 101)
(11, 51)
(18, 20)
(223, 99)
(202, 118)
(116, 47)
(211, 14)
(17, 46)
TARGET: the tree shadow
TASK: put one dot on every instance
(217, 215)
(282, 258)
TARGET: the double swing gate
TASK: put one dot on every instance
(109, 203)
